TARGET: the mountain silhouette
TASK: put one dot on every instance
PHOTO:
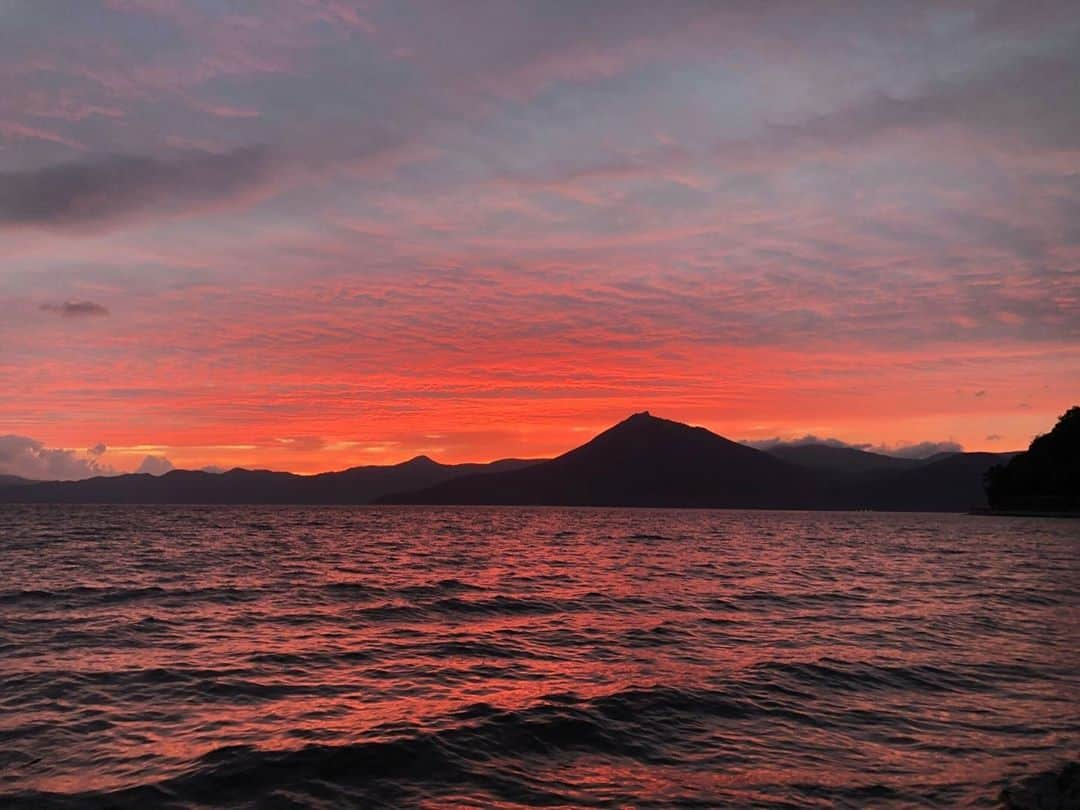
(647, 461)
(642, 461)
(949, 482)
(859, 479)
(358, 485)
(828, 458)
(15, 481)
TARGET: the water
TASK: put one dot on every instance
(520, 657)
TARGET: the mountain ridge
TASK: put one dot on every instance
(353, 485)
(840, 460)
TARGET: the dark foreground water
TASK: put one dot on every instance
(518, 657)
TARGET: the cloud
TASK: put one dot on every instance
(903, 450)
(75, 309)
(302, 443)
(994, 437)
(919, 450)
(29, 458)
(1026, 103)
(154, 465)
(516, 209)
(80, 194)
(776, 441)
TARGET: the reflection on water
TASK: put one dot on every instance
(514, 657)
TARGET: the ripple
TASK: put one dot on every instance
(185, 657)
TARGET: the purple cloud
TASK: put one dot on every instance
(87, 193)
(904, 450)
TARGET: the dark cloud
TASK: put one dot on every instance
(74, 194)
(776, 441)
(75, 309)
(916, 450)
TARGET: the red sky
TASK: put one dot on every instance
(311, 235)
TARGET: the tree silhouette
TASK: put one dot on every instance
(1046, 477)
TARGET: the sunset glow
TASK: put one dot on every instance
(311, 235)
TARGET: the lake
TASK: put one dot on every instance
(515, 657)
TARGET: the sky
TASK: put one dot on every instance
(311, 234)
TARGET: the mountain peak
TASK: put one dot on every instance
(647, 422)
(639, 419)
(421, 461)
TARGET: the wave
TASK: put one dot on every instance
(354, 590)
(157, 684)
(458, 607)
(633, 723)
(832, 674)
(483, 752)
(344, 663)
(85, 595)
(494, 606)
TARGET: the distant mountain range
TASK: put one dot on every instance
(842, 460)
(642, 461)
(358, 485)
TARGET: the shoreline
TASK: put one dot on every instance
(1048, 513)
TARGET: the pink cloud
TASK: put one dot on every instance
(502, 224)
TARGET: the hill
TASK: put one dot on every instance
(946, 483)
(839, 460)
(1044, 478)
(15, 481)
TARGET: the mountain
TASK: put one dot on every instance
(828, 458)
(642, 461)
(1044, 478)
(15, 481)
(857, 479)
(646, 461)
(357, 485)
(951, 482)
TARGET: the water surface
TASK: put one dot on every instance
(171, 656)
